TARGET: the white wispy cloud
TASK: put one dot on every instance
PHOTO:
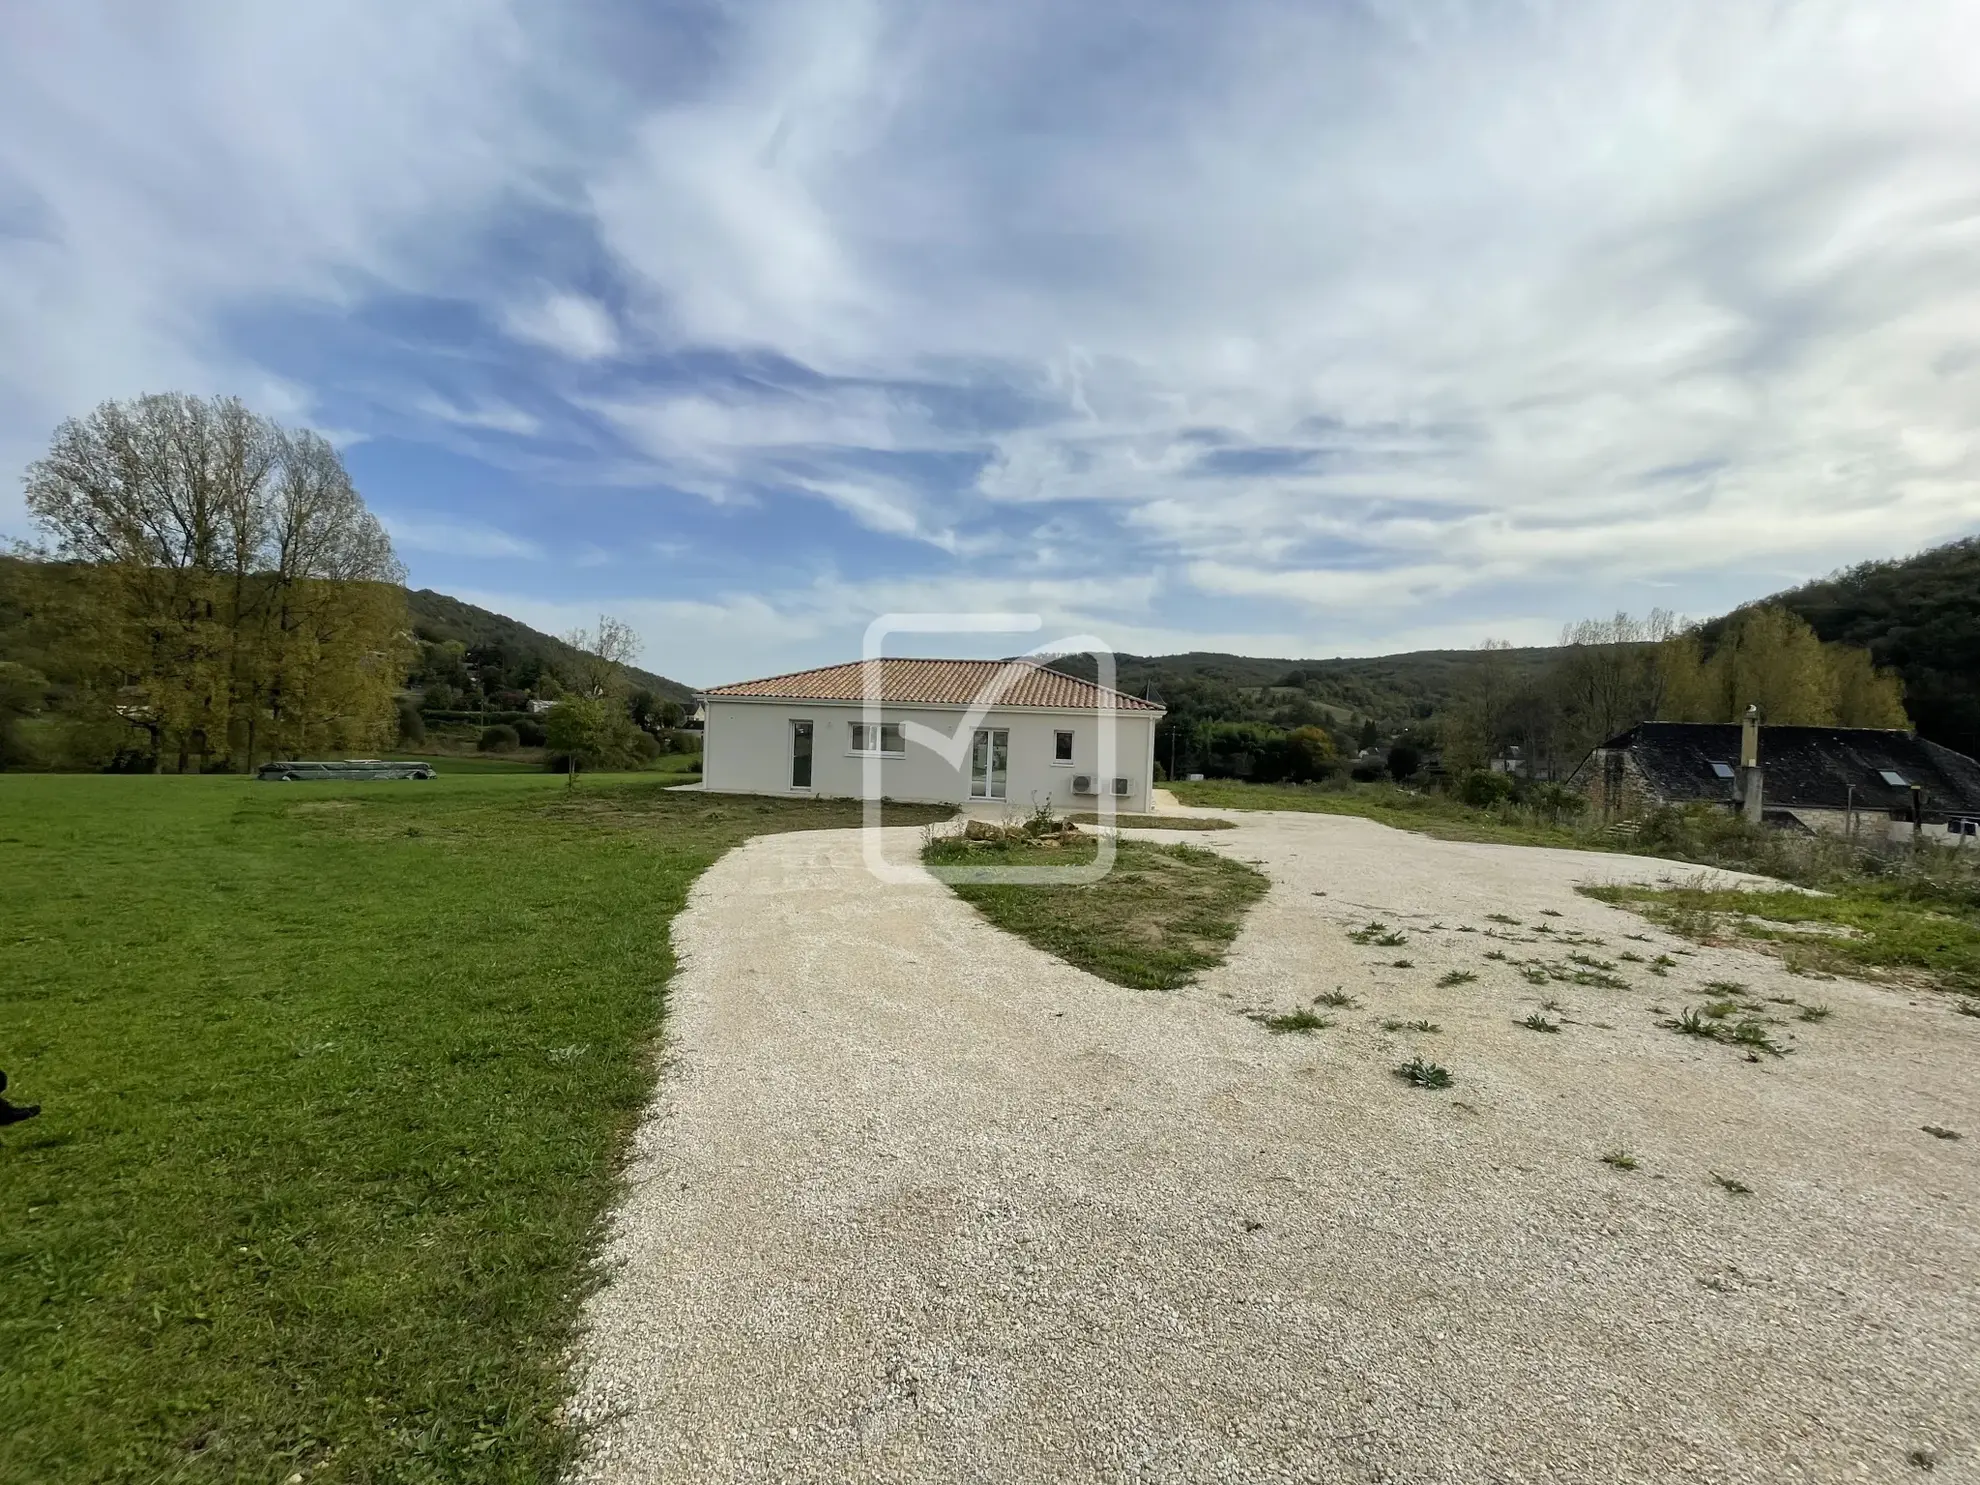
(572, 324)
(452, 538)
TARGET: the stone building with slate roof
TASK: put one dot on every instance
(1874, 784)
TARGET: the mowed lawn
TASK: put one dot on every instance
(335, 1078)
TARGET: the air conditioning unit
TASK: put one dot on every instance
(1082, 783)
(1120, 786)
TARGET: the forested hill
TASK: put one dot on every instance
(1920, 616)
(438, 619)
(1392, 690)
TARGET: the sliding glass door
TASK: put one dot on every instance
(989, 763)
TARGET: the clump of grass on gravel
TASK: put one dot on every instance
(1379, 934)
(1537, 1022)
(1732, 1185)
(1395, 1025)
(1712, 1025)
(1620, 1160)
(1502, 918)
(1498, 955)
(1968, 1007)
(335, 1079)
(1164, 914)
(1404, 964)
(1455, 977)
(1300, 1020)
(1421, 1074)
(1338, 998)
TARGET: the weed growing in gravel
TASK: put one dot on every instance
(1535, 974)
(1734, 1187)
(1968, 1008)
(1599, 979)
(1455, 977)
(1543, 928)
(1589, 961)
(1395, 1025)
(1752, 1033)
(1620, 1159)
(1502, 918)
(1498, 954)
(1423, 1074)
(1552, 1005)
(1724, 987)
(1940, 1132)
(1338, 998)
(1690, 1023)
(1718, 1010)
(1301, 1020)
(1628, 958)
(1814, 1013)
(1404, 964)
(1538, 1022)
(1379, 934)
(1552, 913)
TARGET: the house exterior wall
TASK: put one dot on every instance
(747, 750)
(1614, 783)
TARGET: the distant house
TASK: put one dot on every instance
(1867, 782)
(538, 706)
(999, 734)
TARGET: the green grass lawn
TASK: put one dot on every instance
(1162, 916)
(335, 1078)
(1915, 928)
(1430, 814)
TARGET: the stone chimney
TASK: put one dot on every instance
(1751, 792)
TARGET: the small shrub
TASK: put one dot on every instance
(1724, 987)
(1482, 790)
(1404, 964)
(1814, 1013)
(1455, 977)
(1718, 1010)
(498, 739)
(1590, 961)
(1421, 1074)
(1496, 954)
(531, 734)
(1394, 1025)
(1338, 998)
(1535, 974)
(1538, 1022)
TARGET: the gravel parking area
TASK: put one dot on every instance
(918, 1202)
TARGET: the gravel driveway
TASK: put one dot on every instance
(917, 1202)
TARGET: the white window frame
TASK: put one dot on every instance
(883, 751)
(1071, 743)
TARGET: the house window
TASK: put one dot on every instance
(1895, 779)
(879, 739)
(1723, 770)
(1062, 747)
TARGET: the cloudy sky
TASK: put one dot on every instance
(1290, 327)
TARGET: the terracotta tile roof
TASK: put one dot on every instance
(943, 683)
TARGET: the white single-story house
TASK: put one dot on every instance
(981, 732)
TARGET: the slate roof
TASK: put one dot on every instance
(1805, 767)
(942, 683)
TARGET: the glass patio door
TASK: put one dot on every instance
(800, 755)
(989, 763)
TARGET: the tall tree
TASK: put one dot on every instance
(1770, 657)
(242, 594)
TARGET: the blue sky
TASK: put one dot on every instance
(1285, 328)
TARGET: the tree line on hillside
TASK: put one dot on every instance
(1537, 712)
(222, 590)
(212, 591)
